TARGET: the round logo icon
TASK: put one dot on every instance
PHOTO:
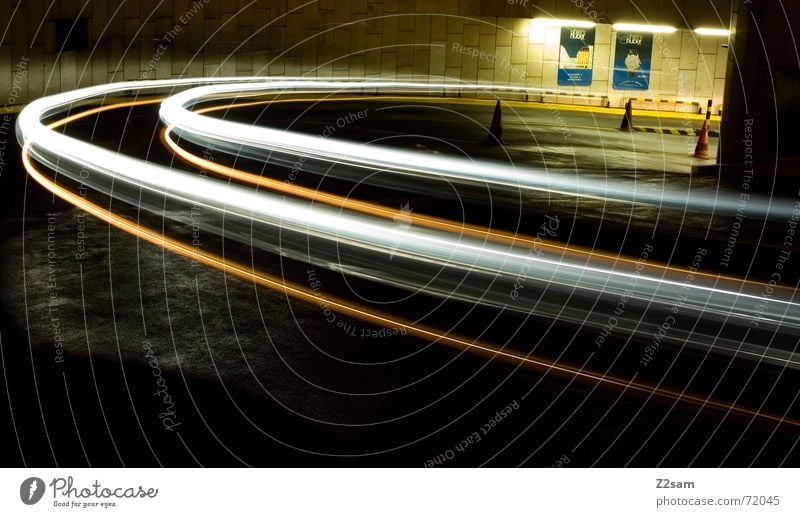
(31, 490)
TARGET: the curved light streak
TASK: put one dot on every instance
(351, 159)
(437, 223)
(464, 263)
(305, 294)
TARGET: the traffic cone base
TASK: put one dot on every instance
(701, 151)
(496, 129)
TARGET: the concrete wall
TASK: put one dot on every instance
(138, 39)
(684, 66)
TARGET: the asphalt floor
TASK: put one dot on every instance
(255, 378)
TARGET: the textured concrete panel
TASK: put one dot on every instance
(350, 38)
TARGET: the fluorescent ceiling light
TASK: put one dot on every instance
(704, 31)
(638, 27)
(555, 22)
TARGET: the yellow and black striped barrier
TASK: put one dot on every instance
(673, 131)
(659, 102)
(527, 95)
(604, 101)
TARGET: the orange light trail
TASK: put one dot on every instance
(425, 221)
(347, 308)
(381, 211)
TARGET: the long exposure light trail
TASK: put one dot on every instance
(281, 147)
(308, 295)
(261, 181)
(457, 264)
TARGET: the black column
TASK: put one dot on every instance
(762, 96)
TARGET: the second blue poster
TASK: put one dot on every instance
(632, 59)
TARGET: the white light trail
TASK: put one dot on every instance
(351, 159)
(441, 263)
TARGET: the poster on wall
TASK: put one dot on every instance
(632, 61)
(576, 57)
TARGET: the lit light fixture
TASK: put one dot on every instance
(638, 27)
(555, 22)
(704, 31)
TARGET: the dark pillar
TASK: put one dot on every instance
(762, 96)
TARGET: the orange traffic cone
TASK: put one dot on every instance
(701, 151)
(496, 129)
(627, 119)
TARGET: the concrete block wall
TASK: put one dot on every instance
(415, 39)
(684, 66)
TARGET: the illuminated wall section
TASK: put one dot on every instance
(461, 40)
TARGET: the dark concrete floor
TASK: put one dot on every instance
(254, 378)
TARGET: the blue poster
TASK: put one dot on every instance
(632, 61)
(576, 57)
